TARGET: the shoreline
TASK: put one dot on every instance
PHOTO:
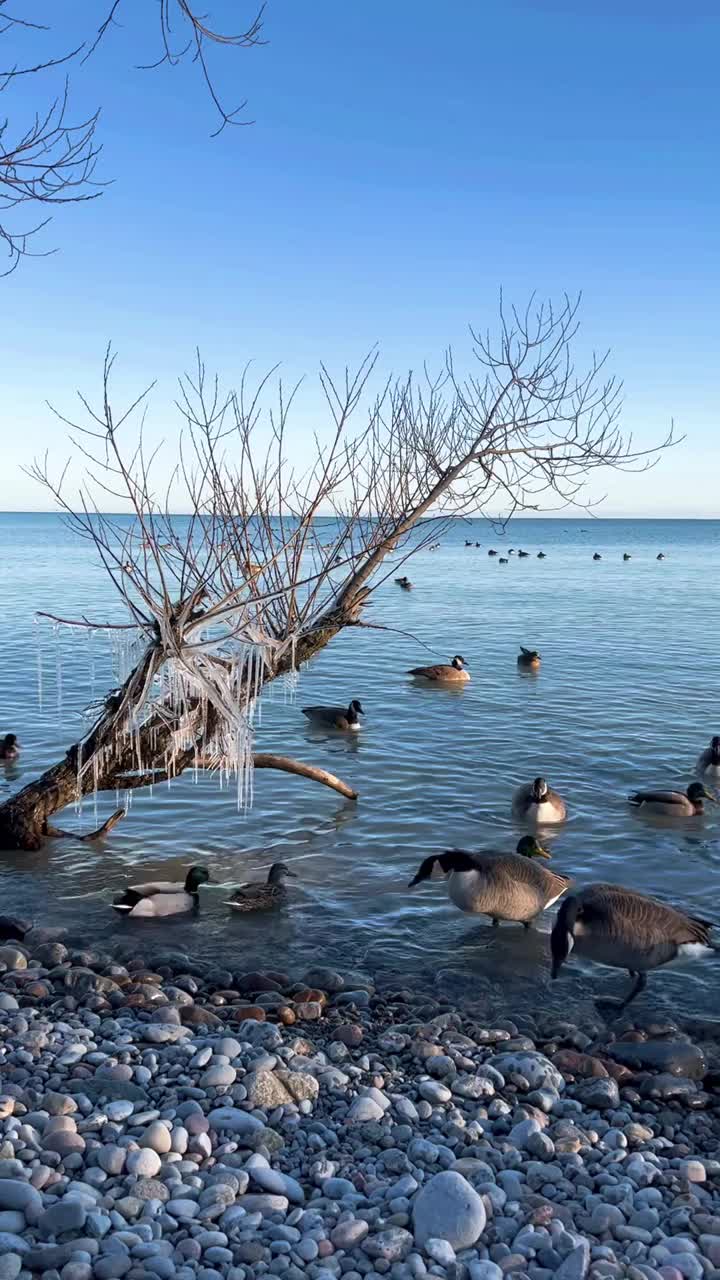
(197, 1123)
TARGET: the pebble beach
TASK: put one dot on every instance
(170, 1119)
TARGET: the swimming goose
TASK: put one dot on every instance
(443, 672)
(405, 583)
(260, 897)
(536, 802)
(468, 543)
(162, 898)
(504, 886)
(626, 556)
(621, 928)
(529, 659)
(673, 804)
(597, 556)
(336, 717)
(503, 560)
(541, 555)
(9, 749)
(492, 553)
(709, 761)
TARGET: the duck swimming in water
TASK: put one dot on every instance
(709, 761)
(336, 717)
(492, 553)
(504, 886)
(660, 557)
(9, 748)
(443, 672)
(597, 556)
(405, 583)
(536, 802)
(618, 927)
(503, 560)
(626, 556)
(163, 897)
(541, 555)
(261, 897)
(529, 659)
(672, 804)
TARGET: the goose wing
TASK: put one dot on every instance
(627, 916)
(438, 672)
(328, 715)
(514, 869)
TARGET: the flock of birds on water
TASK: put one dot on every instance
(608, 924)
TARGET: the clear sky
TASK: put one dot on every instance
(408, 159)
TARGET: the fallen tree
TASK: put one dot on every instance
(250, 585)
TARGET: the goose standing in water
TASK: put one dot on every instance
(625, 930)
(335, 717)
(263, 896)
(443, 672)
(709, 761)
(672, 804)
(537, 803)
(529, 659)
(9, 749)
(163, 897)
(504, 886)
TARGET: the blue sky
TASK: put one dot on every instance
(407, 160)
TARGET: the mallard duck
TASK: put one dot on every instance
(660, 556)
(541, 555)
(163, 897)
(624, 929)
(529, 659)
(405, 583)
(597, 556)
(9, 748)
(261, 897)
(709, 761)
(443, 672)
(536, 802)
(626, 556)
(672, 804)
(336, 717)
(504, 886)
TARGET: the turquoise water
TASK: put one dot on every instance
(627, 696)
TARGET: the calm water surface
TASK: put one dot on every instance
(627, 696)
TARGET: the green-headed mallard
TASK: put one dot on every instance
(626, 930)
(162, 897)
(536, 802)
(672, 804)
(504, 886)
(336, 717)
(709, 761)
(529, 659)
(443, 672)
(9, 747)
(256, 896)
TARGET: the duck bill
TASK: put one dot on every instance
(542, 852)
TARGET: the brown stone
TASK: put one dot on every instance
(194, 1015)
(241, 1011)
(349, 1033)
(571, 1062)
(308, 1012)
(249, 983)
(286, 1015)
(309, 995)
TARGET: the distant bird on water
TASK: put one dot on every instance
(9, 747)
(709, 761)
(405, 583)
(541, 555)
(523, 554)
(529, 659)
(660, 556)
(672, 804)
(536, 802)
(504, 886)
(623, 929)
(468, 543)
(343, 718)
(443, 672)
(503, 560)
(626, 556)
(597, 556)
(492, 553)
(265, 895)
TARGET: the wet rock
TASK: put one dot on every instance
(531, 1070)
(668, 1086)
(571, 1062)
(448, 1208)
(597, 1094)
(676, 1057)
(392, 1245)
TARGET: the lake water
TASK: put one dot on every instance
(627, 696)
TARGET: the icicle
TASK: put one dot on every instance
(39, 649)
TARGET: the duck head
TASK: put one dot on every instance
(278, 872)
(715, 749)
(696, 793)
(10, 744)
(195, 877)
(539, 790)
(529, 847)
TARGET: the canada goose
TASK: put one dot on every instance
(523, 555)
(503, 560)
(260, 897)
(541, 555)
(9, 749)
(536, 802)
(477, 544)
(504, 886)
(164, 897)
(709, 761)
(624, 929)
(405, 583)
(468, 543)
(673, 804)
(336, 717)
(443, 672)
(529, 659)
(597, 556)
(660, 557)
(626, 556)
(492, 553)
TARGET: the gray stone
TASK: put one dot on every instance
(448, 1208)
(575, 1266)
(143, 1162)
(598, 1094)
(364, 1110)
(66, 1215)
(677, 1057)
(232, 1120)
(20, 1195)
(533, 1067)
(218, 1076)
(265, 1090)
(10, 1266)
(157, 1138)
(346, 1235)
(393, 1244)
